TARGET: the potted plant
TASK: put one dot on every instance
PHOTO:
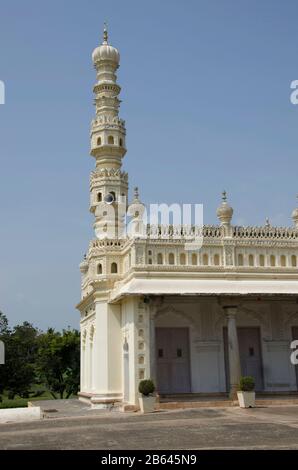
(246, 394)
(147, 399)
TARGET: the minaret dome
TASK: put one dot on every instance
(105, 52)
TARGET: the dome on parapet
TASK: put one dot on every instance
(295, 216)
(136, 207)
(105, 52)
(224, 211)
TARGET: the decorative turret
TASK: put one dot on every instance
(295, 216)
(136, 211)
(84, 266)
(224, 212)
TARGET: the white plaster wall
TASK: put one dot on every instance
(107, 367)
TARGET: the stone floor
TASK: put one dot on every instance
(75, 426)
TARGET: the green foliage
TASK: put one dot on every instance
(18, 372)
(58, 362)
(146, 387)
(247, 384)
(50, 359)
(3, 323)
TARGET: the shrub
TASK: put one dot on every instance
(247, 384)
(146, 387)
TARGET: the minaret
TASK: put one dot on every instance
(108, 185)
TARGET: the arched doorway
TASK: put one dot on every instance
(172, 351)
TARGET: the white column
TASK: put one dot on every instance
(234, 355)
(105, 383)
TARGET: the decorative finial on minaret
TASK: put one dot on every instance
(136, 192)
(224, 212)
(267, 222)
(295, 216)
(105, 33)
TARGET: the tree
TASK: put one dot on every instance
(21, 345)
(3, 324)
(59, 361)
(4, 332)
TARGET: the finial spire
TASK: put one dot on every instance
(105, 33)
(224, 195)
(136, 192)
(267, 222)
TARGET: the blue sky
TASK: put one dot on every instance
(206, 99)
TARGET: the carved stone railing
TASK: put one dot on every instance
(107, 243)
(268, 232)
(216, 231)
(182, 231)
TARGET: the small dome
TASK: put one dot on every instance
(295, 214)
(224, 212)
(105, 51)
(136, 208)
(84, 266)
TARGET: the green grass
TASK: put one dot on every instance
(18, 402)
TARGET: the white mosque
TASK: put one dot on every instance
(192, 320)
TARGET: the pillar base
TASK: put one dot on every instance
(100, 400)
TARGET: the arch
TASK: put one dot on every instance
(98, 140)
(99, 268)
(114, 268)
(121, 142)
(160, 258)
(111, 140)
(272, 261)
(290, 319)
(182, 258)
(216, 260)
(91, 333)
(251, 260)
(294, 261)
(240, 259)
(194, 259)
(171, 258)
(99, 197)
(84, 337)
(263, 320)
(205, 259)
(283, 260)
(179, 313)
(262, 260)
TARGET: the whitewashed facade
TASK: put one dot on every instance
(194, 321)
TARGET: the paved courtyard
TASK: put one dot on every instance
(273, 427)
